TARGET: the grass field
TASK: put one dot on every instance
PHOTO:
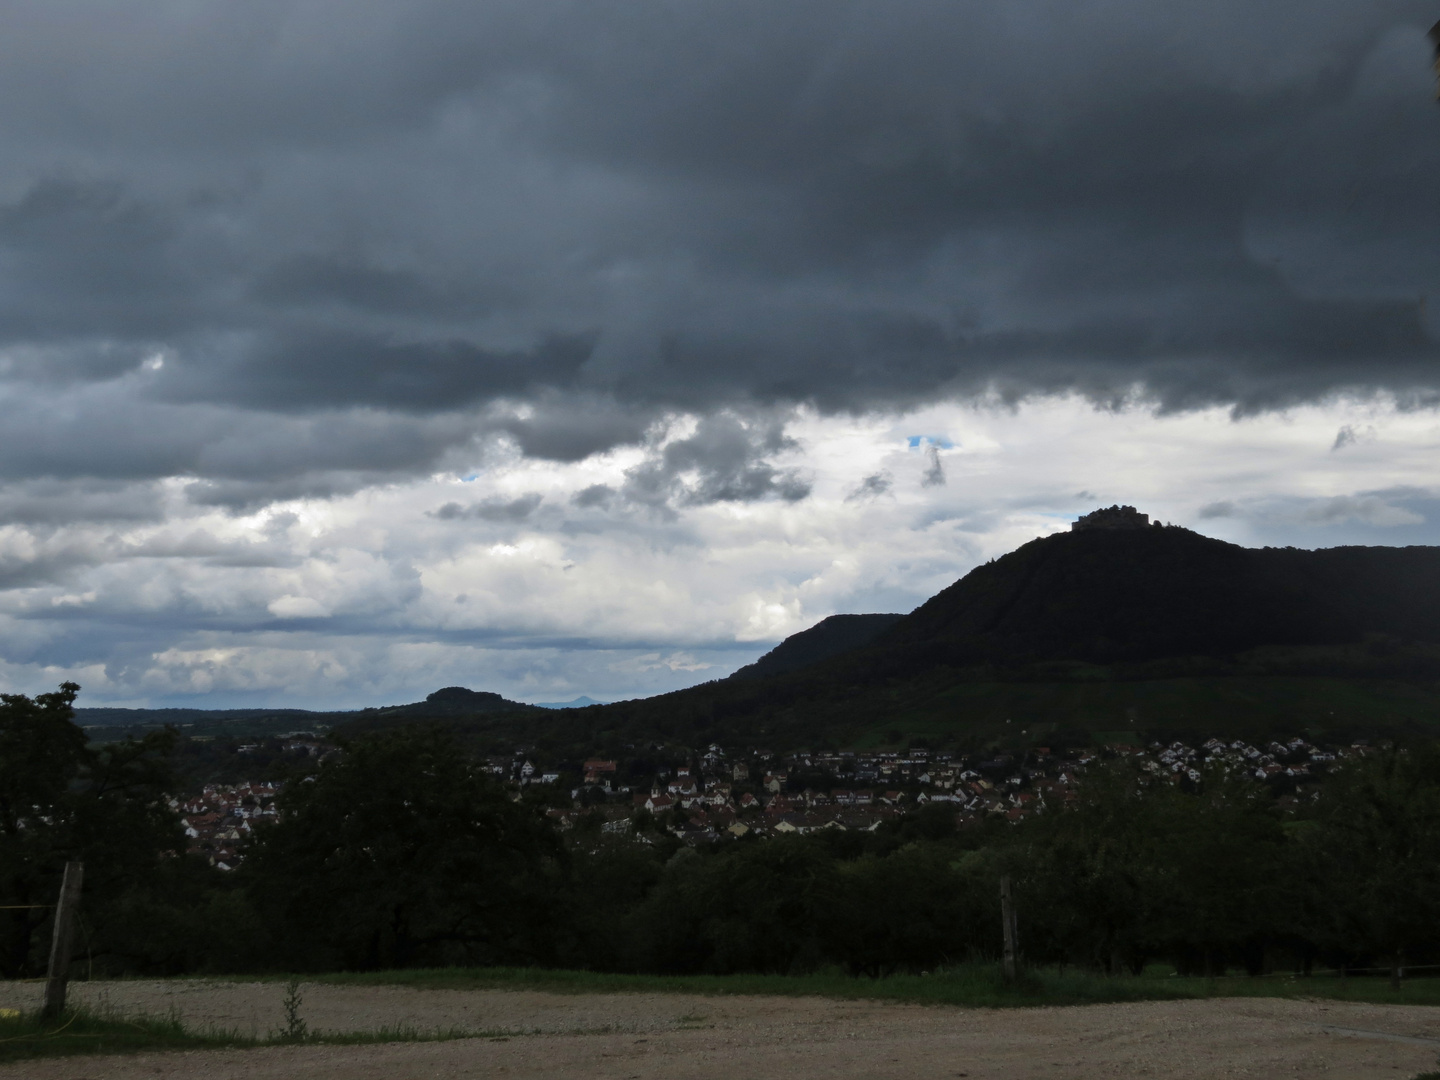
(974, 986)
(26, 1037)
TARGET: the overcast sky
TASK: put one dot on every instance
(353, 349)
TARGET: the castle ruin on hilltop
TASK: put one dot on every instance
(1112, 517)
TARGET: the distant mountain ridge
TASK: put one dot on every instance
(458, 700)
(107, 716)
(450, 702)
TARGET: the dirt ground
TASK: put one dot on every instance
(683, 1037)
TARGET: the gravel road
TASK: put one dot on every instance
(684, 1037)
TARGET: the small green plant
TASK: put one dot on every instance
(296, 1030)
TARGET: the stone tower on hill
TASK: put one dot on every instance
(1112, 517)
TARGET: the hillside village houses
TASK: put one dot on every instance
(719, 795)
(218, 820)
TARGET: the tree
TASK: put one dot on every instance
(751, 907)
(610, 876)
(1374, 853)
(406, 851)
(1223, 852)
(1094, 872)
(61, 798)
(910, 909)
(1140, 866)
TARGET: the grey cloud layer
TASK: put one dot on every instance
(287, 248)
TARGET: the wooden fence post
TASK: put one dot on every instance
(60, 942)
(1007, 917)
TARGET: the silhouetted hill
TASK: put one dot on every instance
(1125, 595)
(457, 701)
(456, 706)
(1103, 629)
(827, 638)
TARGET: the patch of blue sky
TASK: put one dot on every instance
(915, 442)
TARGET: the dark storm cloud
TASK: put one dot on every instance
(309, 371)
(243, 496)
(572, 427)
(723, 461)
(313, 280)
(56, 503)
(114, 432)
(567, 220)
(496, 510)
(934, 474)
(52, 564)
(872, 487)
(1222, 509)
(596, 495)
(85, 259)
(1349, 435)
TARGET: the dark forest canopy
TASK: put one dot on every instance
(403, 850)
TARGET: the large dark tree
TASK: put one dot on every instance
(911, 910)
(1374, 856)
(1093, 883)
(60, 799)
(751, 907)
(401, 851)
(1139, 867)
